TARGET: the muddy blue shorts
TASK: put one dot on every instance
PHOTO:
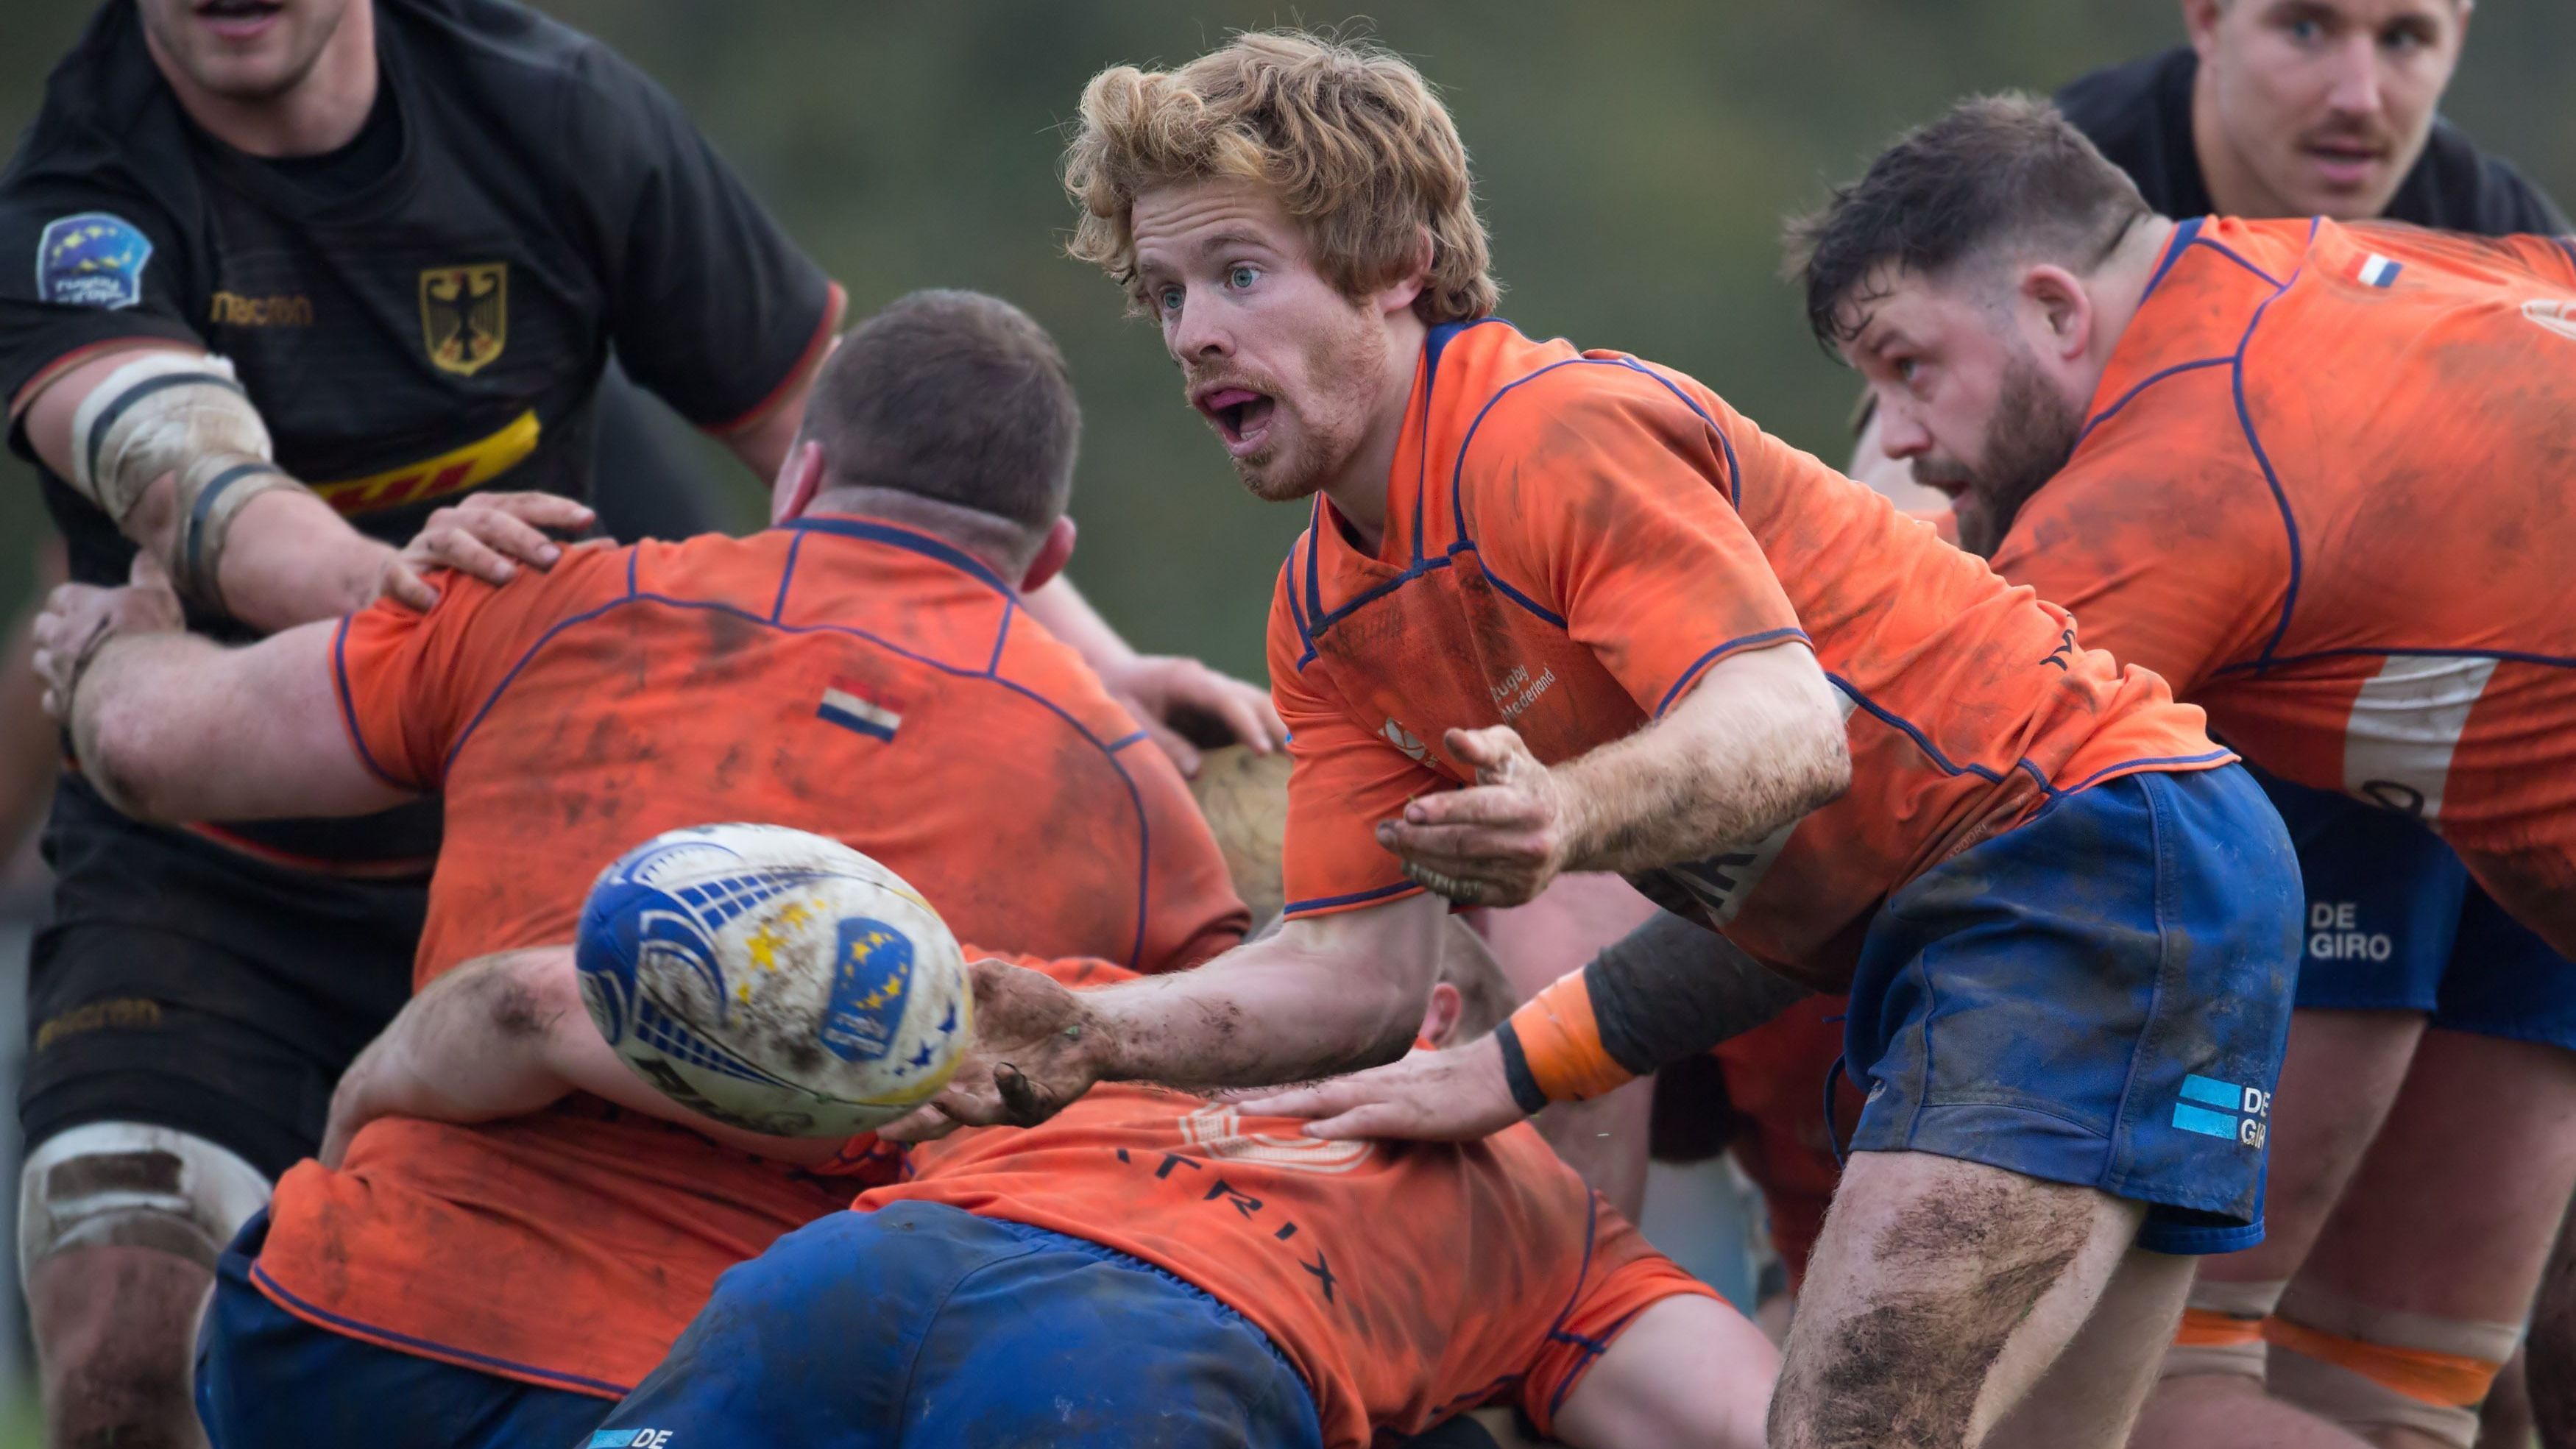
(2097, 996)
(2394, 923)
(267, 1379)
(922, 1324)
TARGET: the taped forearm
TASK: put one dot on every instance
(1665, 991)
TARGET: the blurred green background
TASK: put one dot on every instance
(1634, 161)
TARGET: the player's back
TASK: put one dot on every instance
(1402, 1280)
(842, 676)
(2350, 446)
(1578, 563)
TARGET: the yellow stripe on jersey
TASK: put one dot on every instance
(471, 466)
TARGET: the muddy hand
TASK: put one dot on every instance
(1036, 1048)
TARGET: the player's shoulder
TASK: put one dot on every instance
(525, 68)
(1499, 391)
(107, 121)
(2459, 187)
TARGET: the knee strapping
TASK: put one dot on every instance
(126, 1184)
(2222, 1329)
(2365, 1367)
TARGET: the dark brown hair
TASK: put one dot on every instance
(1997, 172)
(953, 396)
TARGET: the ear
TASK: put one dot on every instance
(800, 477)
(1399, 295)
(2059, 309)
(1053, 552)
(1440, 1014)
(2200, 22)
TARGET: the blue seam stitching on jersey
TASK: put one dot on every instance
(2280, 496)
(1593, 1348)
(2175, 246)
(2131, 395)
(2132, 765)
(631, 555)
(349, 709)
(2223, 250)
(1354, 898)
(778, 610)
(372, 1330)
(2516, 656)
(1583, 1275)
(1124, 741)
(1922, 741)
(1704, 661)
(908, 540)
(1002, 636)
(1144, 826)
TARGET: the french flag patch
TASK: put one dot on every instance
(2379, 271)
(843, 705)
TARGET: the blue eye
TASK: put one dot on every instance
(1169, 299)
(2304, 31)
(1242, 276)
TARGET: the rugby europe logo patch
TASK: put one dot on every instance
(465, 315)
(92, 259)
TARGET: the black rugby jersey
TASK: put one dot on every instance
(2139, 114)
(438, 327)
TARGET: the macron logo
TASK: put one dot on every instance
(2241, 1113)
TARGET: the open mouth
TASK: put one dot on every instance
(1242, 417)
(238, 18)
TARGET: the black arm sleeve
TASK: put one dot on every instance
(1671, 989)
(711, 306)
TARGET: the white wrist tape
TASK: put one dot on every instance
(156, 415)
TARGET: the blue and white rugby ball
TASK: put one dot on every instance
(774, 980)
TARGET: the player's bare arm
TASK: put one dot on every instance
(1665, 991)
(172, 726)
(504, 1036)
(1757, 743)
(164, 441)
(1322, 994)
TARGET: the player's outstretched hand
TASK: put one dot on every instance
(487, 536)
(1036, 1048)
(1185, 705)
(79, 619)
(1458, 1095)
(1496, 843)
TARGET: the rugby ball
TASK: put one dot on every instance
(773, 980)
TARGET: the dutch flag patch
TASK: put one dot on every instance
(845, 706)
(2379, 271)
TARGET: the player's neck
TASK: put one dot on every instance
(2119, 285)
(2234, 189)
(322, 112)
(1358, 492)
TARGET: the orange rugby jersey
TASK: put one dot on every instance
(2326, 491)
(1573, 538)
(1404, 1281)
(839, 675)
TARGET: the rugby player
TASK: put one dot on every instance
(1646, 637)
(2310, 473)
(286, 283)
(864, 670)
(1146, 1267)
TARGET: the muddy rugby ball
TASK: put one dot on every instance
(773, 980)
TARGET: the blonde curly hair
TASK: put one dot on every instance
(1348, 134)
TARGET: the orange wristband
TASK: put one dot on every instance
(1562, 1043)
